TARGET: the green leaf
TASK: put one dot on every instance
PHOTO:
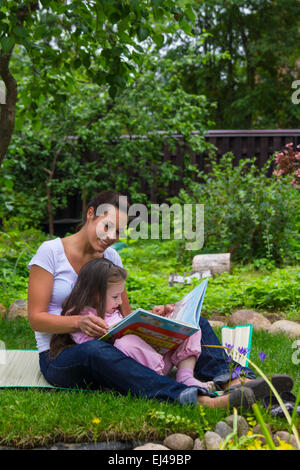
(159, 40)
(7, 44)
(100, 77)
(190, 14)
(112, 91)
(20, 31)
(142, 33)
(185, 26)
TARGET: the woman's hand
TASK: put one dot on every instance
(163, 310)
(92, 325)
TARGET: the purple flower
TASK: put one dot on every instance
(229, 346)
(237, 372)
(262, 356)
(243, 351)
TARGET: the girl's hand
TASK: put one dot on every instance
(92, 325)
(163, 310)
(158, 310)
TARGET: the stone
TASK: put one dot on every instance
(179, 442)
(18, 309)
(212, 440)
(286, 437)
(223, 429)
(287, 327)
(198, 444)
(242, 425)
(2, 311)
(216, 323)
(151, 446)
(242, 317)
(257, 430)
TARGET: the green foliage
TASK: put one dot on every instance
(60, 37)
(18, 243)
(92, 142)
(168, 423)
(149, 264)
(252, 49)
(128, 136)
(246, 213)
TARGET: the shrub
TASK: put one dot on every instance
(288, 163)
(246, 213)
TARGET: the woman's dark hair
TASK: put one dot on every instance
(112, 198)
(89, 291)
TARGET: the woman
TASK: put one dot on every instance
(96, 364)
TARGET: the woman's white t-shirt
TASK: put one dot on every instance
(52, 257)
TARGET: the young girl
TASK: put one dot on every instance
(98, 291)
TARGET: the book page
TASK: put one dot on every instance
(240, 338)
(188, 309)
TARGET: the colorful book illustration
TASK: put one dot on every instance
(239, 339)
(163, 333)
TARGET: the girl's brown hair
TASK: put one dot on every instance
(89, 291)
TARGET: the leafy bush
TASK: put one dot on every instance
(288, 163)
(18, 243)
(246, 213)
(150, 263)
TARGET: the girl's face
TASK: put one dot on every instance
(113, 296)
(106, 229)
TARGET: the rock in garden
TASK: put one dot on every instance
(212, 440)
(286, 437)
(242, 317)
(18, 309)
(2, 311)
(216, 323)
(257, 430)
(151, 446)
(242, 425)
(198, 445)
(223, 429)
(287, 327)
(179, 442)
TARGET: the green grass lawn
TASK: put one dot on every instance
(33, 418)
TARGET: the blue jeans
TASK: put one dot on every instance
(99, 365)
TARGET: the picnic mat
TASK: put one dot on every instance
(20, 368)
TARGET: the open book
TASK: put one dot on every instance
(163, 333)
(239, 338)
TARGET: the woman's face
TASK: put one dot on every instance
(106, 229)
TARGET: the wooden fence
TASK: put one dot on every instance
(253, 143)
(261, 144)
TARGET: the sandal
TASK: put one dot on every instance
(288, 399)
(241, 397)
(261, 389)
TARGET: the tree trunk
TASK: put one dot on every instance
(217, 263)
(7, 110)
